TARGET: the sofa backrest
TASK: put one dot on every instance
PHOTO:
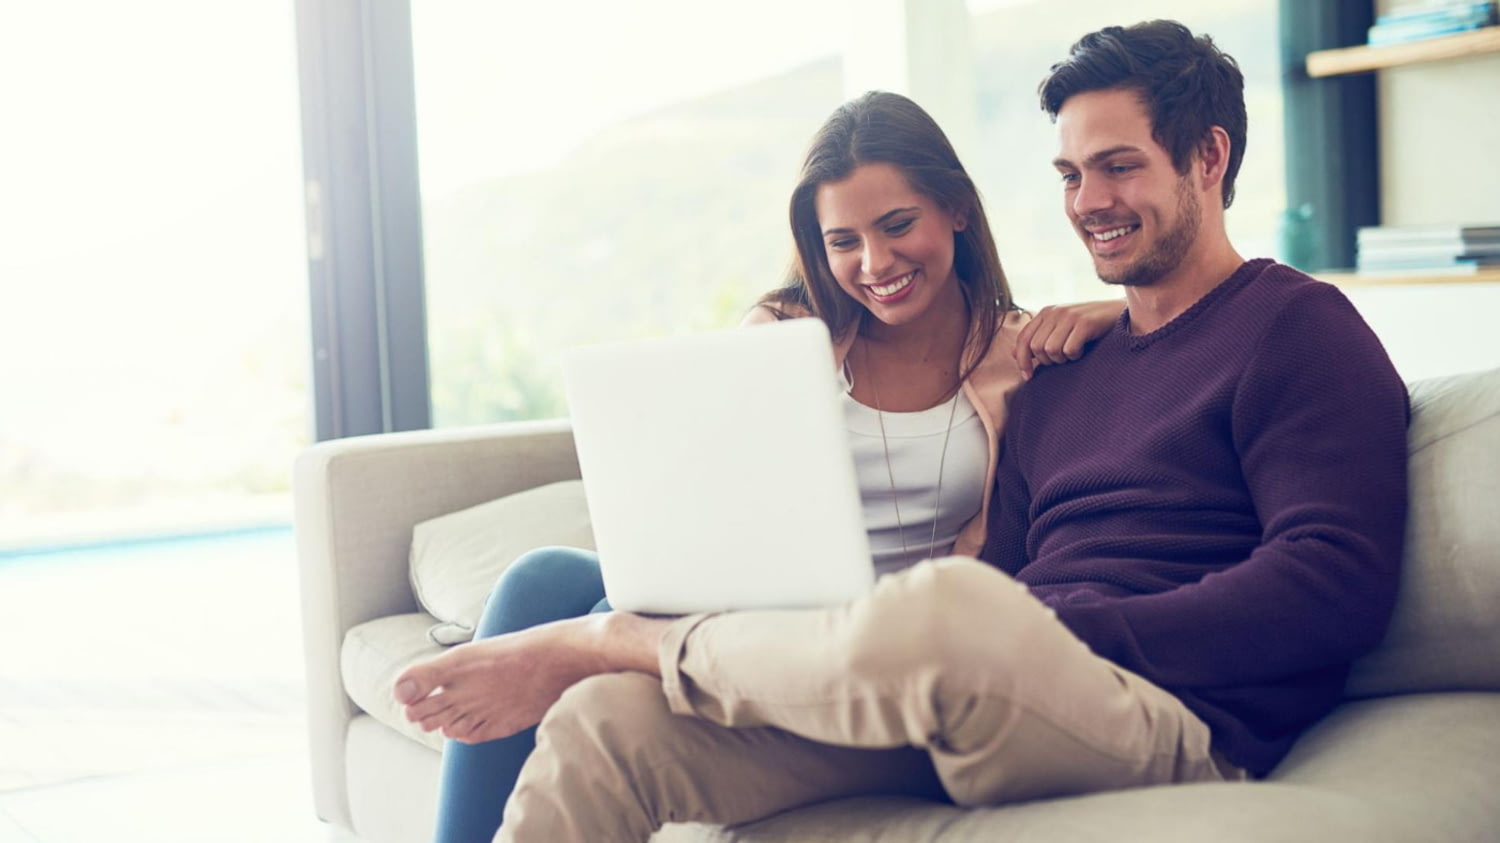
(1446, 631)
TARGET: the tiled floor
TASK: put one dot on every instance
(155, 696)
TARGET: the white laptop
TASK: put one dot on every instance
(717, 470)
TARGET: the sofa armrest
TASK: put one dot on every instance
(355, 503)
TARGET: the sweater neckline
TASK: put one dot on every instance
(1236, 280)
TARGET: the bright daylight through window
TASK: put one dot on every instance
(153, 341)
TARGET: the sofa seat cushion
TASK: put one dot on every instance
(1445, 633)
(1419, 767)
(1428, 762)
(374, 654)
(1231, 813)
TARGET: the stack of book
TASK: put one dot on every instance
(1457, 249)
(1414, 21)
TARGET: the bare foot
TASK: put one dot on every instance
(494, 687)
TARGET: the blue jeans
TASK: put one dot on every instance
(544, 585)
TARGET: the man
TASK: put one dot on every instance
(1196, 528)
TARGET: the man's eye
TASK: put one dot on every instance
(1120, 169)
(1069, 179)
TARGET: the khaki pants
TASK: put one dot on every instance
(948, 680)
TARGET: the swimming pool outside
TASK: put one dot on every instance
(28, 533)
(95, 550)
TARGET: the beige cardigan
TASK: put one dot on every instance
(988, 388)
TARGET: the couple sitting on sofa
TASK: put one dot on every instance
(1183, 538)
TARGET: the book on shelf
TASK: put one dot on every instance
(1363, 261)
(1413, 23)
(1407, 34)
(1457, 247)
(1404, 272)
(1436, 251)
(1430, 10)
(1439, 233)
(1396, 263)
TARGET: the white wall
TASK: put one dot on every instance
(1440, 141)
(1434, 329)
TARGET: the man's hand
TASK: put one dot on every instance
(1058, 333)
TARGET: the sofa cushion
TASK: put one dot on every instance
(373, 655)
(456, 558)
(1445, 634)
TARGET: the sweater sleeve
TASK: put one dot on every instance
(1005, 544)
(1319, 422)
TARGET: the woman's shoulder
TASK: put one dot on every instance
(999, 360)
(1008, 327)
(997, 374)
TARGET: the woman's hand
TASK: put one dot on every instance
(1058, 333)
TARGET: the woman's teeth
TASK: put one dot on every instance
(893, 287)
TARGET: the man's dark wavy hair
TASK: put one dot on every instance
(1186, 82)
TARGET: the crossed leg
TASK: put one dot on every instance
(954, 657)
(619, 776)
(951, 659)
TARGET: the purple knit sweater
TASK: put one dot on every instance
(1219, 505)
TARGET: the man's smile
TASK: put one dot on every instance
(1108, 241)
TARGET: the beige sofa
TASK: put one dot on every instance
(1413, 754)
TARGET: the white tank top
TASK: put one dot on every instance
(915, 444)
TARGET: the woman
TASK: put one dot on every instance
(895, 254)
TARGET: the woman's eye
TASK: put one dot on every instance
(841, 245)
(900, 227)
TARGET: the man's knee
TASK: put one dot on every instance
(956, 615)
(607, 715)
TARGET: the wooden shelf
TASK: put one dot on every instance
(1365, 59)
(1354, 279)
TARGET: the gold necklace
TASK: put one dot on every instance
(886, 448)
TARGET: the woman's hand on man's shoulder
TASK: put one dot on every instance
(1060, 333)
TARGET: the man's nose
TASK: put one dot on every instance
(1091, 197)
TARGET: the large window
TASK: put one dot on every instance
(601, 170)
(153, 348)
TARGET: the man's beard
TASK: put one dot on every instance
(1169, 249)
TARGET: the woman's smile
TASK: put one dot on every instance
(894, 290)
